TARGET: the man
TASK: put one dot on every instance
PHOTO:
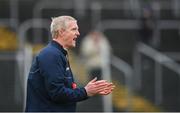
(95, 52)
(51, 86)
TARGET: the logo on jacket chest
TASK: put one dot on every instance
(67, 68)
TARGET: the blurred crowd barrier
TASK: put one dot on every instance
(143, 62)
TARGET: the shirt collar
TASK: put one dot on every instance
(58, 46)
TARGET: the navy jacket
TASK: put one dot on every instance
(49, 85)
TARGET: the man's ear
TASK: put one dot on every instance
(60, 32)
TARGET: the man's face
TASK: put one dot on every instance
(70, 34)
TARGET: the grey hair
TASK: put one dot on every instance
(59, 22)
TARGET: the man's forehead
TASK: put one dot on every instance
(72, 24)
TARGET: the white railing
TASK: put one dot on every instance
(25, 54)
(118, 63)
(160, 60)
(12, 21)
(31, 23)
(127, 70)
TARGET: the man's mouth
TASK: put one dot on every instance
(74, 39)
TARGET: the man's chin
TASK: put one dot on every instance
(73, 46)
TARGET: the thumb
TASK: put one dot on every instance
(93, 80)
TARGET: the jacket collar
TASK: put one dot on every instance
(58, 46)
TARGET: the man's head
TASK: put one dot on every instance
(64, 29)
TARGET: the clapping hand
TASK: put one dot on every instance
(101, 87)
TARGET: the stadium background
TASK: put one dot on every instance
(147, 76)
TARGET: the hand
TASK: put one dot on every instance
(101, 87)
(108, 89)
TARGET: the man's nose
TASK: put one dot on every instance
(77, 33)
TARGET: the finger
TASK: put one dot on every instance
(101, 86)
(109, 85)
(102, 89)
(110, 89)
(105, 86)
(93, 80)
(104, 92)
(106, 89)
(104, 82)
(100, 82)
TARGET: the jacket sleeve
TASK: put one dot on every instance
(53, 70)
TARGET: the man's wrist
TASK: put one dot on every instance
(87, 92)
